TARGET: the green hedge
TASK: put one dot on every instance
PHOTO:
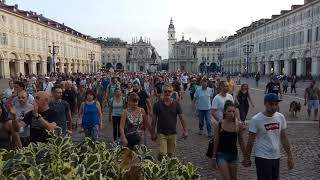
(62, 159)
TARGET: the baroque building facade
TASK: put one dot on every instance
(25, 39)
(114, 53)
(181, 54)
(288, 43)
(139, 55)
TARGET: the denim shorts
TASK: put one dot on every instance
(92, 133)
(226, 158)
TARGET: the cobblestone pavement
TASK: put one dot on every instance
(304, 137)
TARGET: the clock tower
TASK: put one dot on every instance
(171, 39)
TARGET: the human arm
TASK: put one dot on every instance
(99, 114)
(69, 117)
(184, 125)
(250, 100)
(146, 122)
(45, 123)
(305, 97)
(286, 146)
(241, 141)
(149, 108)
(214, 113)
(121, 128)
(215, 138)
(81, 110)
(154, 123)
(248, 149)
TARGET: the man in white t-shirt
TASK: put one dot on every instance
(269, 128)
(219, 101)
(47, 84)
(184, 80)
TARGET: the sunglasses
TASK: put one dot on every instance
(167, 91)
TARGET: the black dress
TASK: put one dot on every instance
(243, 104)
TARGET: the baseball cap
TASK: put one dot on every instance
(271, 97)
(47, 77)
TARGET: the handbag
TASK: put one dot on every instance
(133, 139)
(209, 153)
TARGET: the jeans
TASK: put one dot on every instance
(293, 89)
(92, 133)
(226, 158)
(116, 125)
(204, 115)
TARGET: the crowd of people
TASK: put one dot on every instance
(137, 103)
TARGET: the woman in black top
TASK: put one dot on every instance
(226, 135)
(243, 98)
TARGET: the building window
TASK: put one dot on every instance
(309, 37)
(301, 37)
(317, 33)
(3, 18)
(3, 39)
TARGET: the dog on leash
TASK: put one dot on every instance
(295, 107)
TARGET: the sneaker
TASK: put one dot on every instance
(210, 136)
(200, 132)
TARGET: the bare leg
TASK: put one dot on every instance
(316, 114)
(233, 172)
(224, 171)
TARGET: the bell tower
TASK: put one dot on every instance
(171, 39)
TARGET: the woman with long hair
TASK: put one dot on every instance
(243, 98)
(91, 115)
(132, 121)
(226, 135)
(116, 104)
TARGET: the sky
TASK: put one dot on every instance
(196, 19)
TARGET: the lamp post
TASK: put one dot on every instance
(220, 57)
(91, 57)
(54, 50)
(247, 50)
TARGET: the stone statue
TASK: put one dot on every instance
(153, 55)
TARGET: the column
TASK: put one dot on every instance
(20, 67)
(33, 65)
(276, 67)
(5, 69)
(299, 67)
(75, 67)
(61, 67)
(315, 66)
(43, 67)
(286, 67)
(267, 68)
(69, 68)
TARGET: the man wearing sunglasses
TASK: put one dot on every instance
(165, 113)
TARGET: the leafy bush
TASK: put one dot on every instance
(62, 159)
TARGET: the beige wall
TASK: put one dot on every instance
(115, 55)
(24, 47)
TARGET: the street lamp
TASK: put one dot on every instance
(91, 57)
(220, 57)
(247, 50)
(54, 50)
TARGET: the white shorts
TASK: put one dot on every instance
(313, 104)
